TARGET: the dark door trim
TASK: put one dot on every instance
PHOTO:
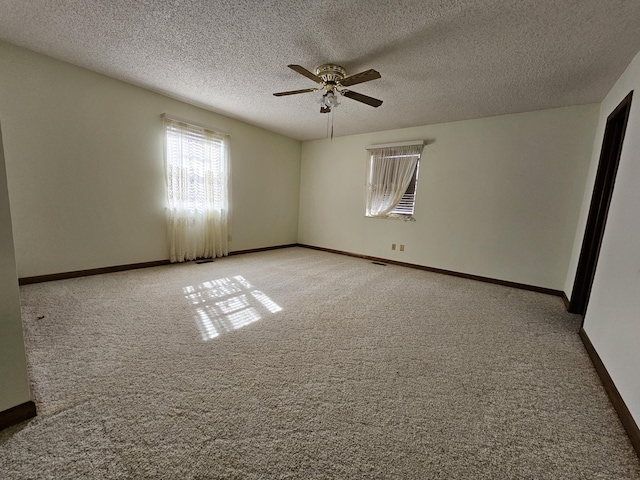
(599, 209)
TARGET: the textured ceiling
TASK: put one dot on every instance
(440, 60)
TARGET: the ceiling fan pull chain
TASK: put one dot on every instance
(331, 114)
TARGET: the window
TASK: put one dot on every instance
(392, 179)
(408, 201)
(197, 170)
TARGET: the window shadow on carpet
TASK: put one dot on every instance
(227, 304)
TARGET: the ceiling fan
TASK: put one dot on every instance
(333, 79)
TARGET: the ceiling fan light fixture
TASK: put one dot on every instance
(329, 100)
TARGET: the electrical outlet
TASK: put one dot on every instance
(402, 248)
(393, 246)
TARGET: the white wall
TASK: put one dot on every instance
(612, 321)
(14, 384)
(497, 197)
(85, 169)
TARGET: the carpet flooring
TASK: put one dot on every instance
(300, 364)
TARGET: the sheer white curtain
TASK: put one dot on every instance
(197, 168)
(389, 174)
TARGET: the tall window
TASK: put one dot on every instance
(197, 168)
(392, 178)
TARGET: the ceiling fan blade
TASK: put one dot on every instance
(305, 72)
(374, 102)
(294, 92)
(361, 77)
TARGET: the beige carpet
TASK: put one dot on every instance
(299, 364)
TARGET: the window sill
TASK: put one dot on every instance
(394, 216)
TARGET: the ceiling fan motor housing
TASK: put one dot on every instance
(331, 74)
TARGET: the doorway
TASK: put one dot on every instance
(599, 208)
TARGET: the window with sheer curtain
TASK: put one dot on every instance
(392, 177)
(197, 169)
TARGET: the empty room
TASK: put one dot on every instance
(340, 240)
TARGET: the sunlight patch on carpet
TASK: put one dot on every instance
(227, 304)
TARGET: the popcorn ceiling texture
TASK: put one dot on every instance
(440, 61)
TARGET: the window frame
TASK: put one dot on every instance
(198, 182)
(405, 208)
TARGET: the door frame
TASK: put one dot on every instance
(614, 133)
